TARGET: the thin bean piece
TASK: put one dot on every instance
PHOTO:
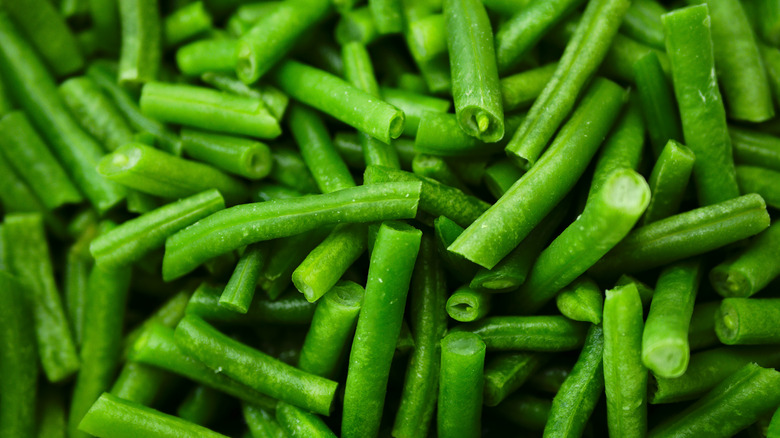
(625, 378)
(582, 300)
(754, 148)
(390, 271)
(298, 423)
(240, 290)
(532, 333)
(289, 309)
(32, 160)
(685, 235)
(668, 181)
(285, 254)
(274, 99)
(689, 45)
(336, 97)
(753, 179)
(185, 23)
(575, 401)
(658, 103)
(253, 368)
(168, 314)
(208, 55)
(748, 272)
(78, 264)
(460, 385)
(141, 53)
(746, 321)
(506, 373)
(642, 22)
(520, 90)
(467, 305)
(387, 15)
(580, 60)
(436, 168)
(607, 219)
(502, 227)
(427, 37)
(18, 361)
(730, 407)
(261, 422)
(29, 260)
(140, 383)
(665, 349)
(446, 231)
(112, 417)
(501, 175)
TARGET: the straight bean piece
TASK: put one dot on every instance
(32, 160)
(274, 35)
(746, 321)
(642, 22)
(208, 109)
(475, 85)
(141, 53)
(668, 181)
(18, 361)
(575, 401)
(689, 45)
(208, 55)
(467, 305)
(249, 223)
(140, 383)
(445, 232)
(254, 368)
(625, 377)
(506, 373)
(78, 264)
(582, 57)
(500, 176)
(290, 169)
(755, 148)
(185, 23)
(289, 309)
(685, 235)
(439, 134)
(520, 90)
(734, 404)
(665, 349)
(298, 423)
(331, 328)
(156, 347)
(415, 106)
(526, 411)
(341, 100)
(239, 156)
(658, 103)
(287, 253)
(436, 168)
(606, 220)
(34, 89)
(378, 327)
(274, 99)
(30, 262)
(582, 300)
(532, 333)
(261, 422)
(356, 25)
(427, 322)
(132, 240)
(701, 331)
(752, 179)
(753, 269)
(240, 290)
(485, 242)
(460, 385)
(112, 417)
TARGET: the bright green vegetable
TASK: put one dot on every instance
(746, 321)
(657, 99)
(460, 385)
(532, 333)
(506, 373)
(239, 156)
(668, 181)
(466, 304)
(582, 300)
(141, 53)
(748, 272)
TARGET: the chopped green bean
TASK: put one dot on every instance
(506, 373)
(751, 270)
(200, 405)
(642, 22)
(526, 411)
(701, 331)
(658, 103)
(185, 23)
(753, 179)
(467, 305)
(531, 333)
(414, 105)
(439, 134)
(261, 422)
(289, 309)
(236, 155)
(582, 300)
(461, 385)
(240, 290)
(141, 52)
(747, 321)
(140, 383)
(668, 181)
(356, 25)
(520, 90)
(298, 423)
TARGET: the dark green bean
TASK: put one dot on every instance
(140, 383)
(436, 168)
(461, 385)
(285, 255)
(141, 53)
(185, 23)
(532, 333)
(105, 21)
(467, 305)
(261, 422)
(298, 423)
(290, 170)
(506, 373)
(753, 179)
(526, 411)
(78, 264)
(201, 405)
(168, 314)
(356, 25)
(751, 270)
(642, 22)
(208, 55)
(701, 331)
(236, 155)
(51, 414)
(755, 148)
(290, 309)
(582, 300)
(747, 321)
(520, 90)
(668, 181)
(658, 103)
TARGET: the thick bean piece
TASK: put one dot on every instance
(745, 321)
(532, 333)
(239, 156)
(755, 267)
(460, 386)
(141, 52)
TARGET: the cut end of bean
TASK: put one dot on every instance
(123, 158)
(397, 124)
(727, 323)
(482, 125)
(462, 308)
(668, 360)
(246, 67)
(628, 190)
(729, 283)
(463, 343)
(233, 305)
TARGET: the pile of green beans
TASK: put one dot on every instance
(389, 218)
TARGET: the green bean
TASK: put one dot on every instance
(141, 53)
(746, 321)
(378, 153)
(208, 109)
(298, 423)
(240, 290)
(467, 305)
(427, 37)
(707, 369)
(575, 401)
(101, 74)
(607, 219)
(439, 134)
(668, 181)
(546, 183)
(475, 85)
(358, 70)
(236, 155)
(200, 406)
(415, 106)
(701, 107)
(329, 170)
(390, 271)
(140, 383)
(325, 265)
(500, 176)
(32, 160)
(290, 309)
(685, 235)
(532, 333)
(78, 264)
(333, 96)
(582, 56)
(751, 270)
(738, 62)
(771, 60)
(185, 23)
(254, 368)
(356, 25)
(435, 198)
(246, 15)
(665, 349)
(387, 16)
(152, 171)
(446, 231)
(730, 407)
(18, 360)
(753, 179)
(51, 414)
(520, 90)
(526, 411)
(428, 324)
(6, 105)
(113, 417)
(101, 346)
(168, 314)
(582, 300)
(48, 32)
(461, 385)
(286, 254)
(642, 22)
(701, 331)
(95, 112)
(274, 99)
(261, 422)
(104, 16)
(156, 347)
(132, 240)
(550, 379)
(755, 148)
(33, 88)
(290, 170)
(516, 36)
(28, 258)
(645, 292)
(506, 7)
(774, 426)
(207, 55)
(657, 99)
(625, 378)
(506, 373)
(436, 168)
(325, 55)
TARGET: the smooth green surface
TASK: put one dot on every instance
(748, 272)
(238, 156)
(240, 290)
(531, 333)
(747, 321)
(668, 181)
(461, 385)
(582, 300)
(506, 373)
(658, 102)
(141, 53)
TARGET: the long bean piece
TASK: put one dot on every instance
(755, 148)
(240, 290)
(141, 53)
(746, 321)
(298, 423)
(289, 309)
(657, 99)
(753, 179)
(239, 156)
(208, 56)
(582, 300)
(461, 385)
(467, 304)
(532, 333)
